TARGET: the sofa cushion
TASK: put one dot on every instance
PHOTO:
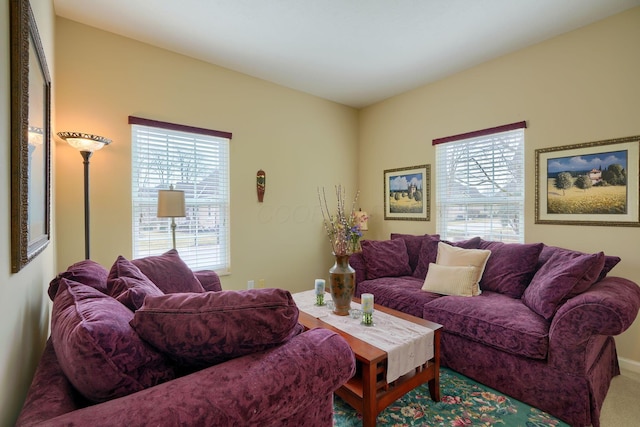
(609, 262)
(87, 272)
(127, 284)
(451, 280)
(563, 276)
(99, 352)
(495, 320)
(202, 329)
(169, 273)
(510, 267)
(209, 280)
(428, 255)
(548, 251)
(414, 245)
(400, 293)
(386, 258)
(458, 257)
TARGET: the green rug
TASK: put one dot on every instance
(463, 403)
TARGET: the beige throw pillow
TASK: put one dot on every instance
(451, 280)
(459, 257)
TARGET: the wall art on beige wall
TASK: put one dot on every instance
(407, 193)
(30, 138)
(594, 183)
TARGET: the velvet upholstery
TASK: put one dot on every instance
(428, 255)
(101, 355)
(169, 273)
(202, 329)
(510, 267)
(562, 365)
(86, 272)
(414, 245)
(386, 258)
(209, 280)
(128, 285)
(290, 384)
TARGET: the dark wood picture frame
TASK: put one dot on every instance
(30, 138)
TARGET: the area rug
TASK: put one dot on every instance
(463, 403)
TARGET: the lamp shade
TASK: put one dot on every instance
(171, 203)
(84, 141)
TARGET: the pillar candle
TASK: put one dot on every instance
(319, 286)
(367, 303)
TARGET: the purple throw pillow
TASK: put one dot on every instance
(386, 258)
(169, 273)
(610, 261)
(127, 284)
(563, 276)
(208, 328)
(99, 352)
(510, 267)
(428, 255)
(87, 272)
(414, 245)
(209, 280)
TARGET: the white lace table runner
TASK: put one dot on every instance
(408, 345)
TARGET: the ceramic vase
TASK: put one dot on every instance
(342, 278)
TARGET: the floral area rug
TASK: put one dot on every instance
(463, 403)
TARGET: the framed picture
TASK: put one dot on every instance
(30, 138)
(594, 183)
(407, 193)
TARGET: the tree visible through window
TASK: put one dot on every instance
(195, 161)
(480, 184)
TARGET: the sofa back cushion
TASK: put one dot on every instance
(414, 245)
(127, 284)
(510, 267)
(99, 352)
(547, 251)
(386, 258)
(169, 273)
(203, 329)
(564, 275)
(427, 256)
(87, 272)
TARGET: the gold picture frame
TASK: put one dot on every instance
(407, 193)
(30, 138)
(594, 183)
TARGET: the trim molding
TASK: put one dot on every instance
(629, 365)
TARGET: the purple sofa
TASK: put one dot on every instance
(541, 330)
(152, 343)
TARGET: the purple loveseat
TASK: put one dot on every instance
(541, 329)
(152, 343)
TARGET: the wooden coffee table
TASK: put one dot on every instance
(368, 391)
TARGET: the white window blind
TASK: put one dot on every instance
(196, 163)
(480, 185)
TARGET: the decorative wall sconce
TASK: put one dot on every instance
(171, 205)
(86, 144)
(261, 182)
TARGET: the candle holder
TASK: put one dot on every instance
(320, 299)
(319, 288)
(367, 319)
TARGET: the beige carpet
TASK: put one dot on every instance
(622, 404)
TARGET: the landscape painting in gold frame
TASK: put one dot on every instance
(407, 193)
(594, 183)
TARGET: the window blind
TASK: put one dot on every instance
(196, 163)
(480, 185)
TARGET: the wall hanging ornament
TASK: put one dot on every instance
(260, 184)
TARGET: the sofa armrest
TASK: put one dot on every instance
(608, 308)
(357, 262)
(260, 389)
(209, 280)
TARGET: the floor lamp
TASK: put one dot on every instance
(86, 144)
(171, 205)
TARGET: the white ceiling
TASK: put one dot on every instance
(355, 52)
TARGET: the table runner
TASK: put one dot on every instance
(408, 345)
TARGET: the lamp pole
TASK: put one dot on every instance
(86, 155)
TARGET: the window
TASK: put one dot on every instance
(195, 161)
(480, 184)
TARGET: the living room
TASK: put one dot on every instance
(578, 87)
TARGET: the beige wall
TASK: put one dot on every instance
(300, 141)
(24, 305)
(582, 86)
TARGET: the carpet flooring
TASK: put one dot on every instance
(463, 403)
